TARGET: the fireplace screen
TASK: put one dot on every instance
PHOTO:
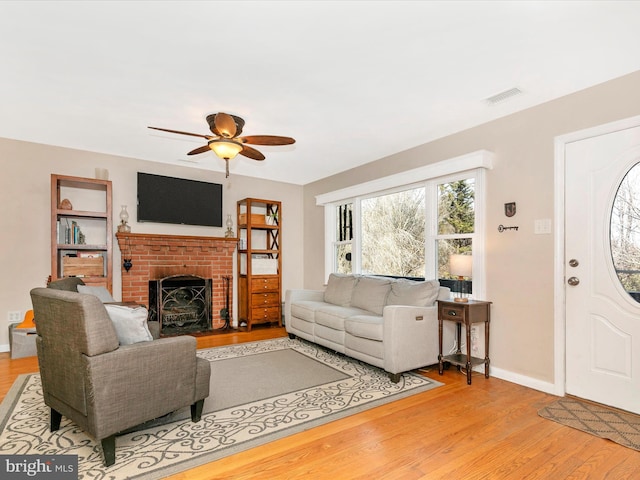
(181, 303)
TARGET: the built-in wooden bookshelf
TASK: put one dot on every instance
(259, 261)
(81, 229)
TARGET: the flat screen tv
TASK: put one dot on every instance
(178, 201)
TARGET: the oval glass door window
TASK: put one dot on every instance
(625, 232)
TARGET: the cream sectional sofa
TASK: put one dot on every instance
(389, 323)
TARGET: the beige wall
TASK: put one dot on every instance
(519, 264)
(25, 213)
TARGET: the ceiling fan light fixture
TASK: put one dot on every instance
(225, 149)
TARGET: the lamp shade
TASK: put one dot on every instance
(460, 265)
(225, 149)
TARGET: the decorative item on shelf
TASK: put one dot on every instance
(65, 204)
(229, 233)
(124, 218)
(461, 266)
(271, 218)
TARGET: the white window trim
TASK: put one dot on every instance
(478, 161)
(470, 161)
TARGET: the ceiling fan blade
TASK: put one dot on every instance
(198, 150)
(208, 137)
(251, 153)
(225, 125)
(267, 140)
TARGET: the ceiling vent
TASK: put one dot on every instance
(502, 96)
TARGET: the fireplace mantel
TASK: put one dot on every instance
(158, 239)
(155, 256)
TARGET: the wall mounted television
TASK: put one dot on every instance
(179, 201)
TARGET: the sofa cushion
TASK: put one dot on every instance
(333, 316)
(365, 326)
(130, 324)
(339, 289)
(370, 293)
(413, 293)
(305, 309)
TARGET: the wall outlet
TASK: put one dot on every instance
(14, 317)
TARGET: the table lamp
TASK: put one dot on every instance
(460, 266)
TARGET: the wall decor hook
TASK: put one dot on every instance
(502, 228)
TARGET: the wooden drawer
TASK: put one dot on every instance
(265, 299)
(265, 315)
(264, 284)
(455, 313)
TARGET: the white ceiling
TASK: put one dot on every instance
(351, 81)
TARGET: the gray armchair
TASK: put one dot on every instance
(103, 387)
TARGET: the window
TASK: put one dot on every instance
(399, 227)
(343, 238)
(392, 233)
(455, 229)
(625, 233)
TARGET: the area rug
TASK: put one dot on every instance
(260, 392)
(598, 420)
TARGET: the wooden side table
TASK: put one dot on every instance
(468, 313)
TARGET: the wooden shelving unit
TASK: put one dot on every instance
(259, 226)
(82, 235)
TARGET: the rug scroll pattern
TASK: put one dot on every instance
(159, 451)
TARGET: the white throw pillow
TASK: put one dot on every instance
(100, 292)
(130, 323)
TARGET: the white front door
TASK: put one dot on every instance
(602, 318)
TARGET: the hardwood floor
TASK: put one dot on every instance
(489, 430)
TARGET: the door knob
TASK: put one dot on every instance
(573, 281)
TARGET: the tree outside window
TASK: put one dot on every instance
(456, 222)
(393, 234)
(625, 232)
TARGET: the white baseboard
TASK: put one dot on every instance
(4, 348)
(523, 380)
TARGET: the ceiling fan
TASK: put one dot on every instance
(226, 142)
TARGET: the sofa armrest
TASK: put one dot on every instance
(296, 295)
(313, 295)
(411, 337)
(148, 379)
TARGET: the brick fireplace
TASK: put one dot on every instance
(154, 257)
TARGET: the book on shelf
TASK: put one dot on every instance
(69, 233)
(63, 232)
